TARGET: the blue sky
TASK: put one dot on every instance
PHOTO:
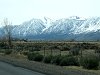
(19, 11)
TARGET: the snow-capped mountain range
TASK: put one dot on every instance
(67, 28)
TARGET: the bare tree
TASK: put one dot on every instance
(7, 31)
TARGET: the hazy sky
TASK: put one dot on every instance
(19, 11)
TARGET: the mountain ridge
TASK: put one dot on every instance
(67, 28)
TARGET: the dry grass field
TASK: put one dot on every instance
(19, 50)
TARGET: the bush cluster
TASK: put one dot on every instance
(4, 45)
(35, 56)
(89, 62)
(69, 61)
(8, 51)
(48, 59)
(57, 59)
(25, 53)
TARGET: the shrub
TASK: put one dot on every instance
(97, 50)
(47, 59)
(2, 51)
(3, 45)
(69, 61)
(75, 51)
(89, 62)
(65, 48)
(35, 56)
(30, 56)
(38, 57)
(25, 53)
(57, 59)
(36, 48)
(8, 51)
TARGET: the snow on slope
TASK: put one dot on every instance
(32, 27)
(90, 25)
(72, 25)
(65, 25)
(75, 25)
(47, 23)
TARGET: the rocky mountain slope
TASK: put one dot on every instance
(67, 28)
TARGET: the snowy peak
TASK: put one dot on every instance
(65, 26)
(32, 27)
(47, 21)
(73, 26)
(74, 17)
(90, 25)
(77, 18)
